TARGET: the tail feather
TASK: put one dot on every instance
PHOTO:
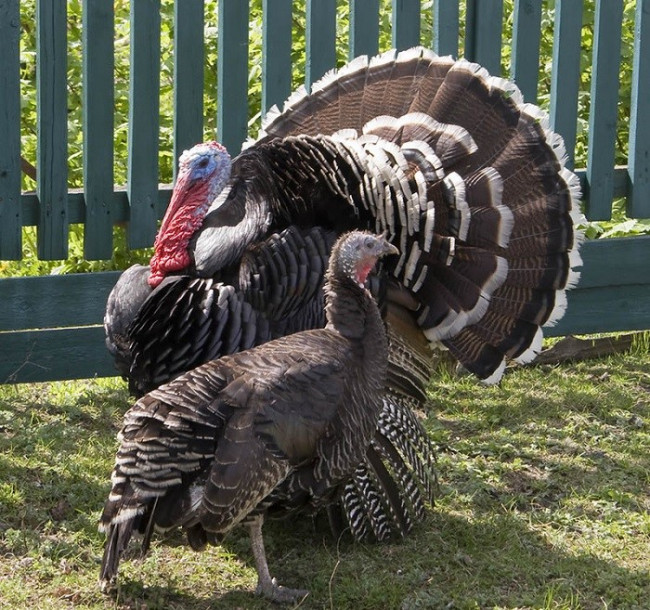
(355, 513)
(404, 477)
(378, 514)
(118, 537)
(399, 425)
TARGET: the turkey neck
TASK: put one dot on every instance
(352, 312)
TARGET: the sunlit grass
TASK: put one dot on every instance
(544, 503)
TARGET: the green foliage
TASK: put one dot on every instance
(620, 225)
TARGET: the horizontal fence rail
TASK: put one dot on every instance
(214, 61)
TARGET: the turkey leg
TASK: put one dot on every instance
(267, 586)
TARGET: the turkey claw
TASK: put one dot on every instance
(279, 594)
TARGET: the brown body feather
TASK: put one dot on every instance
(286, 422)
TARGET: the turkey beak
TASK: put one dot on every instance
(387, 248)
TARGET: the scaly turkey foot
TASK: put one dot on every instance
(279, 594)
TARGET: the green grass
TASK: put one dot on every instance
(544, 503)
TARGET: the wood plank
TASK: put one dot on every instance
(188, 75)
(120, 202)
(98, 32)
(445, 27)
(52, 127)
(54, 301)
(615, 262)
(620, 181)
(276, 53)
(603, 112)
(46, 355)
(638, 202)
(11, 208)
(565, 76)
(44, 301)
(483, 34)
(525, 47)
(573, 349)
(232, 74)
(364, 28)
(76, 205)
(406, 23)
(320, 39)
(144, 106)
(611, 309)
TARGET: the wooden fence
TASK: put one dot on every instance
(50, 327)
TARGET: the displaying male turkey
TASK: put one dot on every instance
(468, 181)
(280, 425)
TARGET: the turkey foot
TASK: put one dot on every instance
(267, 586)
(277, 593)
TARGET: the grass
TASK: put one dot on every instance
(544, 503)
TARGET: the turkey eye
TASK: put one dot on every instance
(203, 163)
(369, 244)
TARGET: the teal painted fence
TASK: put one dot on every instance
(50, 327)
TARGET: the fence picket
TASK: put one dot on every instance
(144, 121)
(188, 75)
(364, 28)
(52, 108)
(483, 34)
(98, 69)
(526, 34)
(276, 55)
(406, 23)
(445, 27)
(638, 203)
(232, 69)
(602, 116)
(565, 75)
(51, 327)
(10, 210)
(320, 39)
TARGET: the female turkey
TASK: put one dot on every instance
(281, 424)
(468, 180)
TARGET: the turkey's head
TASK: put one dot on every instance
(355, 255)
(202, 174)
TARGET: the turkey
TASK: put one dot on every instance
(283, 423)
(467, 179)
